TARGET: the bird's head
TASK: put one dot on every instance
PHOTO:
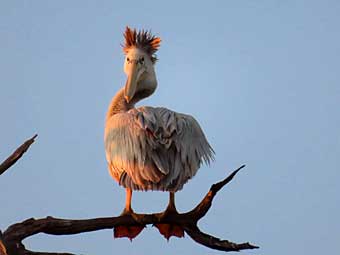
(139, 49)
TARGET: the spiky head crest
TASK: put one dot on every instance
(143, 40)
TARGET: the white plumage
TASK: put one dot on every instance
(154, 148)
(150, 148)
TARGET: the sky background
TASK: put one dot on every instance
(261, 77)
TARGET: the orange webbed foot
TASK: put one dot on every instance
(169, 230)
(127, 231)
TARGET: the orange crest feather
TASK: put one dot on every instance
(143, 40)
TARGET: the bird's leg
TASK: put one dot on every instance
(169, 230)
(128, 210)
(171, 208)
(130, 231)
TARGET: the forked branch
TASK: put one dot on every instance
(14, 235)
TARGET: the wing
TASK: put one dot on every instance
(155, 148)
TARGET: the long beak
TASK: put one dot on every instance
(131, 83)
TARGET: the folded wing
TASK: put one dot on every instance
(155, 148)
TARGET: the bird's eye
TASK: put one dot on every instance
(142, 60)
(128, 60)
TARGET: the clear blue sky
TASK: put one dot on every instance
(262, 78)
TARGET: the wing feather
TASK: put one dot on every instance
(155, 148)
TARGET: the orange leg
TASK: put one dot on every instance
(130, 231)
(128, 209)
(169, 230)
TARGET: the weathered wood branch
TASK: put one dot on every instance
(16, 233)
(13, 237)
(215, 243)
(16, 155)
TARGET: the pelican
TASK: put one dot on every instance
(149, 148)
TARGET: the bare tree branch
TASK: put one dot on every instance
(16, 155)
(202, 208)
(215, 243)
(16, 233)
(11, 239)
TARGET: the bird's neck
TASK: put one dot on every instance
(118, 104)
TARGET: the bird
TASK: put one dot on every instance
(149, 148)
